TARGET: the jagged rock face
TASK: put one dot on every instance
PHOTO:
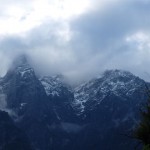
(25, 94)
(55, 116)
(11, 138)
(61, 95)
(110, 105)
(112, 84)
(27, 99)
(55, 86)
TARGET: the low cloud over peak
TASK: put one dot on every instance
(107, 35)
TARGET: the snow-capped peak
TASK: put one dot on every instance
(21, 68)
(117, 73)
(54, 85)
(118, 82)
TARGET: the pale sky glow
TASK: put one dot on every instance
(141, 40)
(18, 19)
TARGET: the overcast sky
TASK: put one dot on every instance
(77, 38)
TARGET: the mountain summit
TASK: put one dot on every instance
(54, 115)
(20, 68)
(113, 83)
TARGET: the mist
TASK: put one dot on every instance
(107, 35)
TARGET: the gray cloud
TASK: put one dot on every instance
(98, 42)
(99, 29)
(104, 35)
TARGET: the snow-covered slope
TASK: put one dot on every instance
(55, 85)
(117, 82)
(61, 95)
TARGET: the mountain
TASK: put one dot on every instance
(48, 120)
(26, 98)
(55, 116)
(61, 95)
(110, 106)
(112, 83)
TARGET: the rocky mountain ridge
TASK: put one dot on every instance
(55, 116)
(120, 83)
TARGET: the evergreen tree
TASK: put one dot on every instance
(142, 133)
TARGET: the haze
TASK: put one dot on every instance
(79, 39)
